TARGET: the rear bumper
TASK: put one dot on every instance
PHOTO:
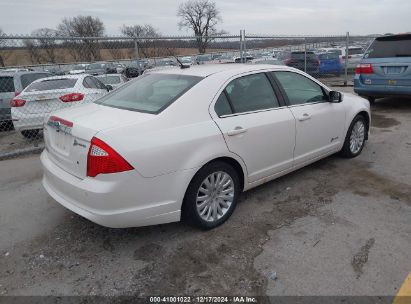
(23, 121)
(117, 200)
(380, 90)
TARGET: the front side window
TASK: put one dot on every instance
(150, 93)
(299, 89)
(251, 93)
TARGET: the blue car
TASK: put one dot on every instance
(385, 69)
(330, 63)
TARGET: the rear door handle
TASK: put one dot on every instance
(236, 131)
(305, 117)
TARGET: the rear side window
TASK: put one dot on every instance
(52, 84)
(222, 105)
(6, 84)
(89, 83)
(251, 93)
(150, 93)
(386, 47)
(26, 79)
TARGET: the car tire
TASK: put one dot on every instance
(217, 210)
(30, 134)
(355, 138)
(371, 99)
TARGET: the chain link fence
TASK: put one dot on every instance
(40, 75)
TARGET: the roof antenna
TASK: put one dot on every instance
(182, 66)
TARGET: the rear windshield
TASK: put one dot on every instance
(301, 55)
(356, 51)
(328, 56)
(385, 47)
(6, 84)
(52, 84)
(150, 93)
(26, 79)
(109, 79)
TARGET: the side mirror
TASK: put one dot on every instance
(335, 97)
(109, 87)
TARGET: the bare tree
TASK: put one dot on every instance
(202, 17)
(42, 49)
(148, 47)
(84, 26)
(47, 43)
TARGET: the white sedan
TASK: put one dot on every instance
(46, 95)
(184, 143)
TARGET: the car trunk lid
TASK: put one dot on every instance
(68, 133)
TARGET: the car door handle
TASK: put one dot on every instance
(305, 117)
(236, 131)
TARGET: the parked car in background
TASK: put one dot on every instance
(201, 59)
(355, 54)
(187, 61)
(11, 85)
(99, 68)
(330, 63)
(385, 69)
(112, 80)
(304, 61)
(119, 67)
(55, 71)
(134, 69)
(50, 94)
(202, 135)
(247, 56)
(78, 69)
(272, 61)
(15, 70)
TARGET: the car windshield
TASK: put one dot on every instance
(94, 66)
(150, 93)
(52, 84)
(109, 79)
(393, 46)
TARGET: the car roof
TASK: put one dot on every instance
(22, 73)
(210, 69)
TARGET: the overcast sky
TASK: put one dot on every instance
(255, 16)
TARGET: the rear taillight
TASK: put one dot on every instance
(364, 68)
(349, 57)
(102, 159)
(72, 97)
(288, 61)
(16, 103)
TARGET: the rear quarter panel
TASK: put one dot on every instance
(182, 137)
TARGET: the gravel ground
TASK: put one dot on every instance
(337, 227)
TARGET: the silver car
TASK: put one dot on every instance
(11, 84)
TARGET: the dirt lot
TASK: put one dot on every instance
(337, 227)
